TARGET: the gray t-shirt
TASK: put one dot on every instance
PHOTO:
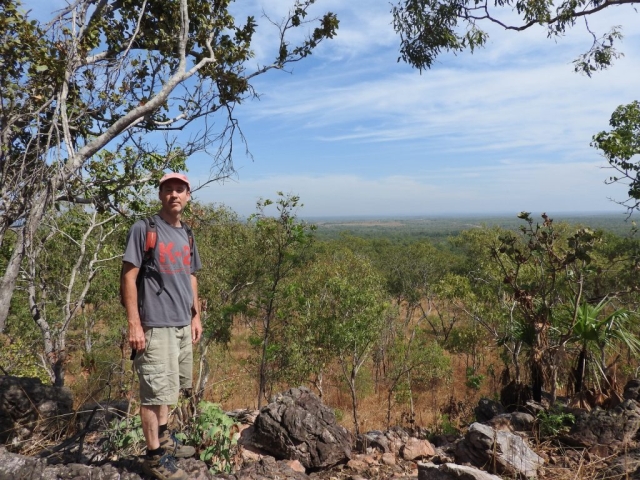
(172, 307)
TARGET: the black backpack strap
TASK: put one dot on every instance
(148, 269)
(187, 229)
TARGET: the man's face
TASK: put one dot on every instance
(174, 196)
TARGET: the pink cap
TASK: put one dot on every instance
(178, 176)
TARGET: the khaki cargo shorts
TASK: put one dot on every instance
(165, 365)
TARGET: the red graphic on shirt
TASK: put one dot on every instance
(168, 256)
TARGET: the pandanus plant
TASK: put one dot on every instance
(595, 331)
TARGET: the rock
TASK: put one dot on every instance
(28, 406)
(416, 449)
(507, 453)
(614, 428)
(250, 454)
(625, 467)
(243, 416)
(487, 409)
(397, 437)
(357, 465)
(516, 421)
(267, 468)
(101, 414)
(296, 425)
(451, 471)
(632, 390)
(20, 467)
(390, 441)
(388, 459)
(374, 439)
(296, 466)
(444, 440)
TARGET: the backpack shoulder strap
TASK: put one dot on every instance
(187, 229)
(151, 236)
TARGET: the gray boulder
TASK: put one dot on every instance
(613, 428)
(297, 426)
(28, 406)
(487, 409)
(501, 451)
(516, 421)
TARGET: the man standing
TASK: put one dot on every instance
(165, 325)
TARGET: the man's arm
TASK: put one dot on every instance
(130, 299)
(196, 324)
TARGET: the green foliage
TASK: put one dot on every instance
(446, 426)
(124, 436)
(554, 422)
(216, 435)
(281, 246)
(621, 147)
(428, 27)
(18, 359)
(474, 380)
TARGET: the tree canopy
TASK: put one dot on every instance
(428, 27)
(133, 76)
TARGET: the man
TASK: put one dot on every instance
(162, 331)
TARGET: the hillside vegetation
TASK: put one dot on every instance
(408, 323)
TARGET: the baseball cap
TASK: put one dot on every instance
(178, 176)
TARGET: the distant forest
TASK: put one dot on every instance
(438, 229)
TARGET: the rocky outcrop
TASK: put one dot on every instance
(499, 451)
(20, 467)
(27, 406)
(625, 467)
(612, 428)
(296, 425)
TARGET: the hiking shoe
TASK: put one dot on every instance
(163, 467)
(174, 446)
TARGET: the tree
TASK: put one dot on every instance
(621, 147)
(225, 244)
(63, 261)
(543, 270)
(342, 308)
(112, 73)
(427, 27)
(280, 244)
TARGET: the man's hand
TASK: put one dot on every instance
(196, 329)
(136, 337)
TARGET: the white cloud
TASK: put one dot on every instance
(503, 188)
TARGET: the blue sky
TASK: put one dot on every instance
(506, 129)
(354, 132)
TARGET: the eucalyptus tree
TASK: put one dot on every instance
(226, 246)
(154, 81)
(281, 248)
(428, 27)
(621, 147)
(342, 308)
(65, 257)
